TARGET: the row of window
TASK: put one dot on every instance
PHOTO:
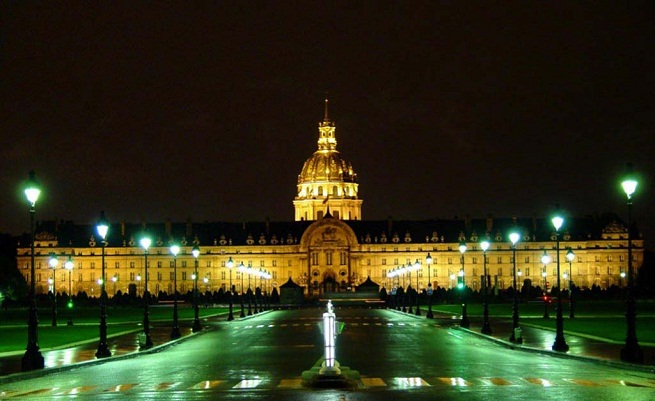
(328, 259)
(133, 276)
(499, 271)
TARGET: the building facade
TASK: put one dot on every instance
(329, 247)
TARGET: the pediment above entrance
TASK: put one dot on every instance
(328, 232)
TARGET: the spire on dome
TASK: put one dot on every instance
(326, 128)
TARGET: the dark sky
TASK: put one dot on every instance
(150, 110)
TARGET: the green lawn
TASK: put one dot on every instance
(15, 338)
(13, 327)
(605, 319)
(114, 314)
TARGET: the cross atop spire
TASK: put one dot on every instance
(326, 118)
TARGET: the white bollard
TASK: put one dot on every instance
(330, 366)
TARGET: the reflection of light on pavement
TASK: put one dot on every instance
(410, 382)
(248, 383)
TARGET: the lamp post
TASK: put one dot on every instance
(103, 351)
(230, 265)
(569, 257)
(242, 270)
(175, 332)
(486, 327)
(631, 351)
(417, 267)
(114, 280)
(138, 280)
(196, 319)
(545, 259)
(465, 319)
(514, 238)
(248, 270)
(32, 359)
(69, 266)
(429, 315)
(53, 262)
(560, 343)
(147, 343)
(409, 285)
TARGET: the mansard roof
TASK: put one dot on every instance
(367, 231)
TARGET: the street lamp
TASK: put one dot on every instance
(53, 262)
(428, 260)
(417, 266)
(545, 259)
(560, 343)
(103, 351)
(147, 343)
(242, 271)
(486, 327)
(32, 359)
(230, 265)
(69, 266)
(514, 238)
(569, 257)
(175, 332)
(631, 351)
(196, 320)
(465, 319)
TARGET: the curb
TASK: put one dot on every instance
(507, 344)
(519, 347)
(14, 377)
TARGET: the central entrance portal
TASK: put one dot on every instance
(329, 282)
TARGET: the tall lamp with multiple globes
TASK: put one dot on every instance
(545, 259)
(464, 322)
(32, 359)
(147, 342)
(560, 343)
(486, 327)
(69, 266)
(417, 267)
(103, 351)
(230, 265)
(54, 262)
(428, 260)
(514, 238)
(175, 332)
(241, 269)
(631, 351)
(196, 319)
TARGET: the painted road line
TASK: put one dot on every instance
(248, 383)
(454, 381)
(410, 382)
(538, 382)
(206, 385)
(290, 383)
(121, 388)
(373, 382)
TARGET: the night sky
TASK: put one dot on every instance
(155, 110)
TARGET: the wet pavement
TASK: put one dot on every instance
(119, 345)
(541, 340)
(534, 339)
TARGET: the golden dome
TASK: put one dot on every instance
(326, 165)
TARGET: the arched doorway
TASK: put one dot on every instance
(329, 282)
